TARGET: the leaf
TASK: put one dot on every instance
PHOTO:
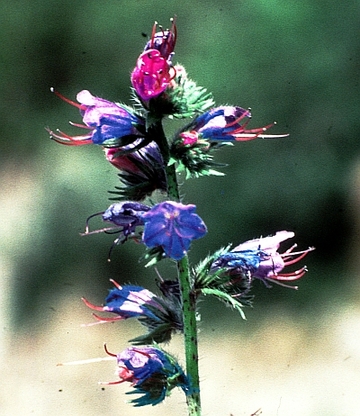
(225, 298)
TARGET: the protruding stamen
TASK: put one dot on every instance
(92, 306)
(89, 218)
(88, 361)
(116, 284)
(67, 100)
(108, 352)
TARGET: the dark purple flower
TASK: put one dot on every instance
(260, 258)
(172, 226)
(152, 372)
(126, 216)
(154, 71)
(106, 122)
(127, 302)
(224, 123)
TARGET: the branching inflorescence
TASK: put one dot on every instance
(134, 142)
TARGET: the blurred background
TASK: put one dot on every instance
(297, 63)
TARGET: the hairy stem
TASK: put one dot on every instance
(190, 336)
(186, 287)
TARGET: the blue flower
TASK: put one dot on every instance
(107, 122)
(152, 372)
(162, 317)
(225, 123)
(172, 226)
(128, 302)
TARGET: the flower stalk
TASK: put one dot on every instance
(188, 298)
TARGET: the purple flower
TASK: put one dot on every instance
(127, 302)
(126, 215)
(260, 258)
(152, 372)
(224, 123)
(106, 121)
(154, 71)
(172, 226)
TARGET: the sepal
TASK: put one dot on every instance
(233, 289)
(187, 98)
(195, 157)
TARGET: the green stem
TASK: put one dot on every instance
(186, 287)
(190, 336)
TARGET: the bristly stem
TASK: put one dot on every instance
(190, 336)
(186, 286)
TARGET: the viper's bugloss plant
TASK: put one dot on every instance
(150, 212)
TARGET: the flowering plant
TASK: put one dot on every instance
(134, 141)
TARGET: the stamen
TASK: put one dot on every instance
(67, 100)
(92, 306)
(116, 284)
(153, 34)
(65, 139)
(282, 284)
(297, 274)
(108, 352)
(82, 126)
(102, 320)
(237, 120)
(88, 361)
(110, 383)
(87, 221)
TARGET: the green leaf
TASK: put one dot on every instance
(229, 300)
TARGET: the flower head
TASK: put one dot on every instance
(107, 123)
(172, 226)
(152, 372)
(259, 258)
(224, 123)
(154, 71)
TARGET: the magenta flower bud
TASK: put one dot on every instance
(154, 71)
(172, 226)
(106, 122)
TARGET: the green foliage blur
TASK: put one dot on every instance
(290, 61)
